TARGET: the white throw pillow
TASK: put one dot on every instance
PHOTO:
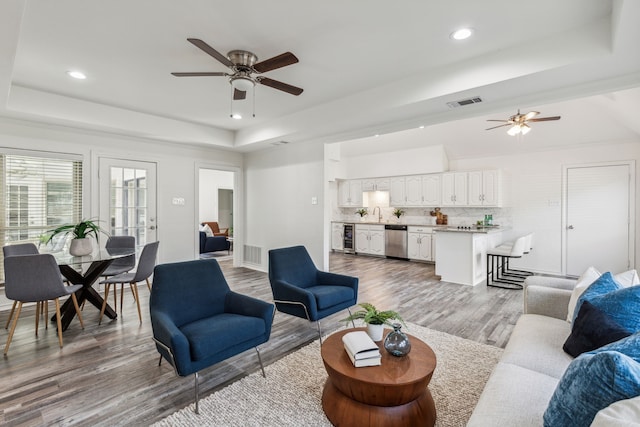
(587, 278)
(626, 279)
(207, 230)
(623, 413)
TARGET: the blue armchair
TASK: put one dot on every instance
(198, 321)
(300, 289)
(213, 244)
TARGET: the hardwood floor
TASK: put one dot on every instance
(108, 374)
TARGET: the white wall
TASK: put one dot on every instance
(280, 184)
(176, 169)
(210, 181)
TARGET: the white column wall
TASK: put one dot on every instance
(279, 185)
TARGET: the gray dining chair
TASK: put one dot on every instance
(21, 249)
(145, 269)
(124, 264)
(36, 278)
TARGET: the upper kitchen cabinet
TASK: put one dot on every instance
(454, 189)
(397, 193)
(423, 190)
(350, 192)
(485, 188)
(377, 184)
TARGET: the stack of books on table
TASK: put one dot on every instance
(361, 349)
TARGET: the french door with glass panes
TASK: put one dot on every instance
(128, 199)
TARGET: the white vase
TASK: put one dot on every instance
(81, 247)
(375, 331)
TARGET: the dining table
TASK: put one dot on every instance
(85, 271)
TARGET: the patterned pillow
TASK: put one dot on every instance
(623, 306)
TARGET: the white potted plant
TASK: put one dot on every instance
(362, 212)
(81, 244)
(374, 319)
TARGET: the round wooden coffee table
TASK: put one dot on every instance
(392, 394)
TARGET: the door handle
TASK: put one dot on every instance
(153, 227)
(570, 227)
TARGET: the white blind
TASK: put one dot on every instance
(38, 194)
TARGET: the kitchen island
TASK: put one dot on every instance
(461, 253)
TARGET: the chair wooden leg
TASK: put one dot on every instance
(115, 298)
(37, 316)
(59, 321)
(134, 290)
(75, 304)
(13, 308)
(121, 296)
(104, 301)
(13, 328)
(148, 284)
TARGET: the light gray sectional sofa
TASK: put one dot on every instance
(521, 385)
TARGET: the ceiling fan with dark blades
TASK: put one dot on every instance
(520, 122)
(244, 65)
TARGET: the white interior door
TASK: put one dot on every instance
(598, 226)
(128, 199)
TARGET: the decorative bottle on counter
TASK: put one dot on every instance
(397, 342)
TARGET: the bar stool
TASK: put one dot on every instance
(498, 261)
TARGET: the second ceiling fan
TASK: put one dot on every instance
(244, 65)
(520, 122)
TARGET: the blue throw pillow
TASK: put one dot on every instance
(592, 382)
(603, 285)
(592, 329)
(622, 305)
(629, 346)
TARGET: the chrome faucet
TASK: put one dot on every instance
(379, 213)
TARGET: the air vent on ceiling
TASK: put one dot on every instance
(463, 102)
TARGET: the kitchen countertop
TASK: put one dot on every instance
(436, 227)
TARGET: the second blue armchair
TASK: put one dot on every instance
(300, 289)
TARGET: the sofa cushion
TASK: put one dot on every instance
(536, 344)
(592, 382)
(586, 279)
(592, 329)
(624, 413)
(513, 396)
(329, 295)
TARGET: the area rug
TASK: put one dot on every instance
(291, 393)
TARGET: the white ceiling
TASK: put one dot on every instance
(366, 68)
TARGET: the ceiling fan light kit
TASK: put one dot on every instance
(243, 64)
(519, 123)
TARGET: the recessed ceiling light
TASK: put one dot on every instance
(461, 34)
(77, 74)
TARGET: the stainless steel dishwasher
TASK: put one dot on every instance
(395, 241)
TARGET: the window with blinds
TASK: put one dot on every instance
(38, 194)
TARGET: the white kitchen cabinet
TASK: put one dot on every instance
(397, 194)
(376, 184)
(485, 188)
(423, 190)
(337, 236)
(370, 239)
(419, 243)
(350, 193)
(454, 189)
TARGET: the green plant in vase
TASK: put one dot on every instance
(362, 212)
(374, 319)
(82, 232)
(397, 212)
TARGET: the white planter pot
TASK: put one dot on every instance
(81, 247)
(375, 331)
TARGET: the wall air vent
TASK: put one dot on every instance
(252, 255)
(463, 102)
